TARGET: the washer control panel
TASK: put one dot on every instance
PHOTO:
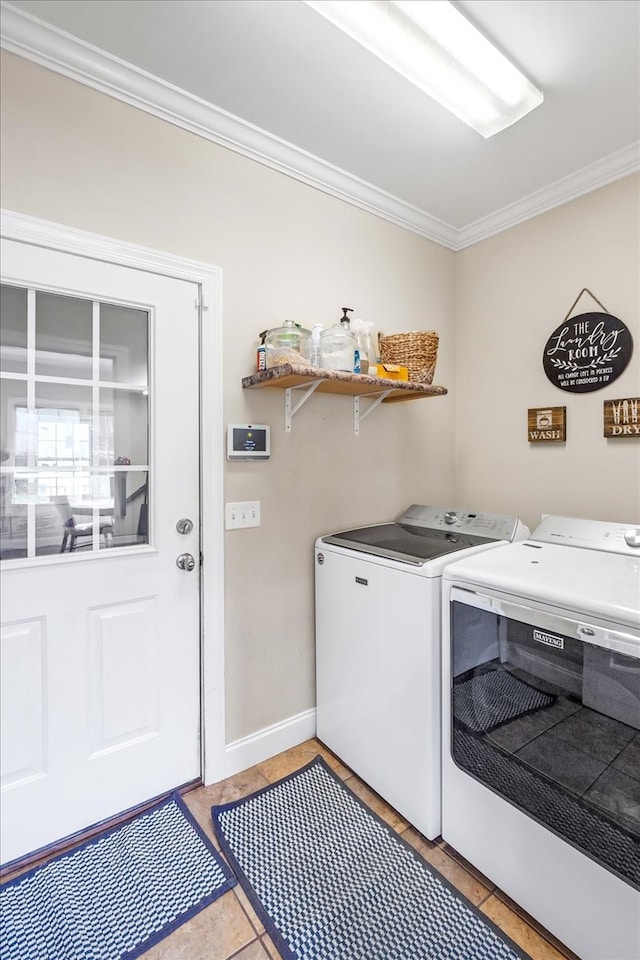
(621, 538)
(494, 526)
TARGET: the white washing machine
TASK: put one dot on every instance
(378, 647)
(541, 727)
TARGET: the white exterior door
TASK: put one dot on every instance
(100, 642)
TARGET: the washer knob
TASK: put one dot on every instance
(450, 516)
(632, 537)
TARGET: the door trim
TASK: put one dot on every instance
(26, 229)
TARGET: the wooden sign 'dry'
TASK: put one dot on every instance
(545, 424)
(622, 417)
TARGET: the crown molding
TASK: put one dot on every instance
(34, 40)
(614, 167)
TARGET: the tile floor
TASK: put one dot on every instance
(230, 930)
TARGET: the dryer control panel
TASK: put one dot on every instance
(621, 538)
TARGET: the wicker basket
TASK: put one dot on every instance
(417, 351)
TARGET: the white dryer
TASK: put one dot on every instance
(541, 727)
(378, 647)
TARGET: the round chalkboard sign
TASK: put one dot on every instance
(587, 352)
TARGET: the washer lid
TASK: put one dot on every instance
(423, 533)
(407, 544)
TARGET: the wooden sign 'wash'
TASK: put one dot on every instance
(547, 424)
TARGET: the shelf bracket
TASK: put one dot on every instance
(289, 410)
(359, 417)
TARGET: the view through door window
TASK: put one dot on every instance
(74, 424)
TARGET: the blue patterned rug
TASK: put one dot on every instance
(116, 895)
(331, 881)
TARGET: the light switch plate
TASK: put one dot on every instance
(246, 513)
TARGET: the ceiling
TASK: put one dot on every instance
(275, 81)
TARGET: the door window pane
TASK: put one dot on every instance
(67, 524)
(123, 428)
(13, 439)
(13, 518)
(63, 428)
(130, 512)
(63, 336)
(124, 344)
(13, 329)
(50, 517)
(14, 428)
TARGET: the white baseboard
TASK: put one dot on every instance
(266, 743)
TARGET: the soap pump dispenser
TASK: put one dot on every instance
(345, 323)
(345, 320)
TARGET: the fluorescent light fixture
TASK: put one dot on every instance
(431, 44)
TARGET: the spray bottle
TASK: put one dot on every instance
(315, 345)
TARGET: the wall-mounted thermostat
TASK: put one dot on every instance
(248, 441)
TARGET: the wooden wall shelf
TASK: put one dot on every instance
(288, 377)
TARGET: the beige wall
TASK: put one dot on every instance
(512, 291)
(77, 157)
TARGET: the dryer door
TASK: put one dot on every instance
(546, 713)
